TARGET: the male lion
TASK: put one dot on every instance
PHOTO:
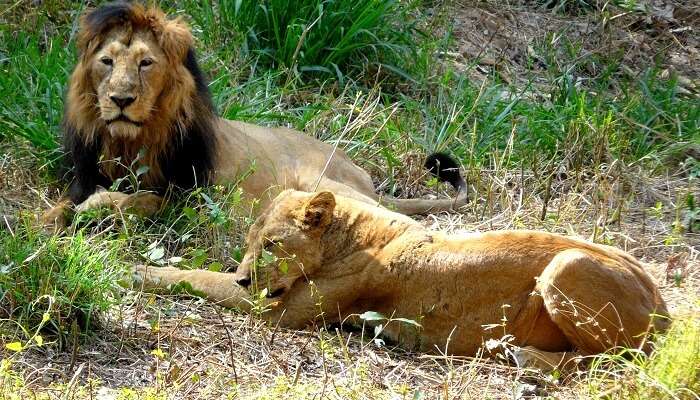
(138, 102)
(322, 257)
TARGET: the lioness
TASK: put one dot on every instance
(138, 104)
(319, 256)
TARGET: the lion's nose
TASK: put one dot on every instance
(243, 281)
(122, 102)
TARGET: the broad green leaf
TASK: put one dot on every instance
(142, 170)
(267, 257)
(284, 268)
(156, 254)
(190, 213)
(199, 256)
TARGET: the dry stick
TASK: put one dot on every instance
(547, 195)
(74, 352)
(230, 342)
(276, 329)
(302, 38)
(335, 146)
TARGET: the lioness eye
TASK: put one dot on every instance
(270, 243)
(145, 62)
(106, 60)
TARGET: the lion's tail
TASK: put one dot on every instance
(446, 169)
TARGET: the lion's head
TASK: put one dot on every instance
(284, 244)
(136, 86)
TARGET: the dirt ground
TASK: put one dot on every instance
(510, 39)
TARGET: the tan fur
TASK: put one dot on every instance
(270, 159)
(344, 257)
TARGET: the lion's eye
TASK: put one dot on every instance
(145, 62)
(106, 61)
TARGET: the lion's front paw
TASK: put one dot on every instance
(143, 204)
(530, 357)
(56, 219)
(152, 279)
(101, 199)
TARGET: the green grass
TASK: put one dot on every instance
(322, 38)
(31, 89)
(52, 283)
(671, 372)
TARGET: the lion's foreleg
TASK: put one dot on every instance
(320, 301)
(217, 287)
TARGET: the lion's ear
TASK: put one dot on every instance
(175, 39)
(318, 211)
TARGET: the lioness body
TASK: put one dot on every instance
(344, 257)
(138, 106)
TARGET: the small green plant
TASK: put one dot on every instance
(691, 217)
(54, 282)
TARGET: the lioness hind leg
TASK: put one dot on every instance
(598, 303)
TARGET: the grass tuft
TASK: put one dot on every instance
(671, 372)
(53, 283)
(323, 38)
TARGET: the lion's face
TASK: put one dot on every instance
(131, 82)
(284, 243)
(127, 74)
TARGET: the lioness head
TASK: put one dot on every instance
(131, 75)
(283, 245)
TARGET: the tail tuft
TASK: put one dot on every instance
(446, 169)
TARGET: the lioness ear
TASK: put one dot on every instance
(318, 211)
